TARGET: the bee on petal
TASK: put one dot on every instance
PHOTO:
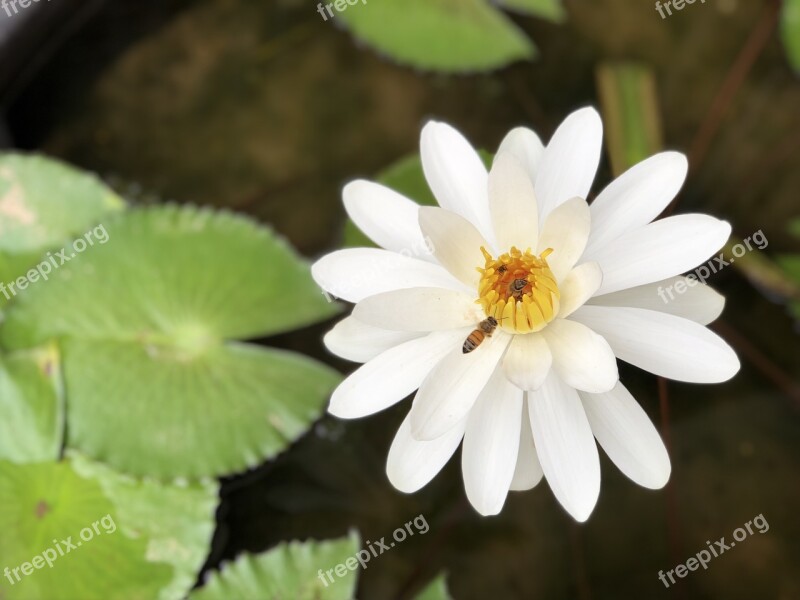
(485, 329)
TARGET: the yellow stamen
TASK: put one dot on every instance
(518, 311)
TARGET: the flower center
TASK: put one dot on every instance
(519, 290)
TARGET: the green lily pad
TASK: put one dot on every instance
(44, 203)
(155, 385)
(547, 9)
(176, 520)
(291, 570)
(174, 275)
(63, 538)
(31, 405)
(153, 410)
(442, 35)
(436, 590)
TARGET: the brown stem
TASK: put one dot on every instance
(734, 79)
(760, 361)
(673, 523)
(579, 562)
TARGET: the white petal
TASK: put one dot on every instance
(636, 197)
(565, 231)
(527, 361)
(456, 174)
(566, 447)
(353, 340)
(456, 243)
(355, 273)
(412, 464)
(526, 146)
(419, 309)
(570, 160)
(581, 358)
(390, 376)
(513, 204)
(659, 250)
(528, 472)
(578, 286)
(491, 443)
(451, 388)
(627, 435)
(663, 344)
(681, 296)
(386, 217)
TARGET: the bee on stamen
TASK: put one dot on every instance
(515, 288)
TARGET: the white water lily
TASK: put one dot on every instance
(532, 398)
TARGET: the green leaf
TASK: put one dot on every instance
(630, 113)
(444, 35)
(172, 274)
(153, 386)
(154, 410)
(46, 505)
(177, 521)
(31, 405)
(291, 570)
(437, 590)
(548, 9)
(43, 203)
(790, 31)
(780, 278)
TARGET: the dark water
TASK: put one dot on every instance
(265, 108)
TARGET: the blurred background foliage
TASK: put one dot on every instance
(267, 109)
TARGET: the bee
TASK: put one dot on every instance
(516, 287)
(485, 329)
